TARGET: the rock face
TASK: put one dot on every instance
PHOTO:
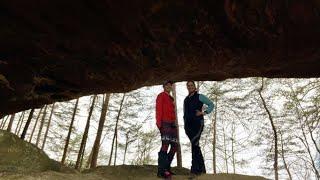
(59, 50)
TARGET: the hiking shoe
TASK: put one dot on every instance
(167, 175)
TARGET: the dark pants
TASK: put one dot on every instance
(168, 138)
(194, 128)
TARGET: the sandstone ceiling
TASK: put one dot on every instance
(54, 50)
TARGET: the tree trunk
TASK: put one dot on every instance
(179, 157)
(19, 123)
(116, 149)
(35, 124)
(4, 121)
(214, 127)
(25, 129)
(65, 150)
(115, 129)
(275, 135)
(313, 139)
(225, 149)
(89, 160)
(232, 148)
(10, 123)
(85, 136)
(125, 150)
(96, 146)
(41, 124)
(307, 146)
(22, 122)
(283, 158)
(198, 85)
(305, 139)
(48, 126)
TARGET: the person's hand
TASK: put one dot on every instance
(199, 113)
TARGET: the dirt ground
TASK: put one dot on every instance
(20, 160)
(120, 173)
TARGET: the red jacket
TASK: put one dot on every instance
(165, 110)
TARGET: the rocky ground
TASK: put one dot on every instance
(20, 160)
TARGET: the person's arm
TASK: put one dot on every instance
(159, 110)
(207, 102)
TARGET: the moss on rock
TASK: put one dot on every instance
(17, 155)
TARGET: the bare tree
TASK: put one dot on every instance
(131, 136)
(283, 156)
(48, 126)
(10, 123)
(214, 139)
(69, 132)
(41, 124)
(274, 129)
(225, 154)
(85, 136)
(4, 122)
(96, 146)
(35, 124)
(116, 128)
(20, 122)
(26, 127)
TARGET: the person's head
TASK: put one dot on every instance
(167, 86)
(191, 86)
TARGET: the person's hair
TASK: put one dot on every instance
(191, 82)
(167, 82)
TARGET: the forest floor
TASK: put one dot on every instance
(20, 160)
(119, 173)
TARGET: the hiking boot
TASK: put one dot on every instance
(165, 175)
(170, 158)
(162, 164)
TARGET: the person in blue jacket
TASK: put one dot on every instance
(194, 122)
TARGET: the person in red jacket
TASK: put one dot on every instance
(166, 122)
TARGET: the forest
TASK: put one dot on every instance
(259, 126)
